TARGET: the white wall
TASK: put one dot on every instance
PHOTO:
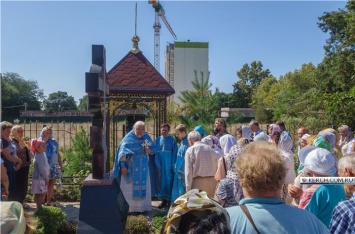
(186, 61)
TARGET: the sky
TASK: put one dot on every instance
(50, 41)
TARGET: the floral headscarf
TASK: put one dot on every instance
(246, 132)
(193, 200)
(234, 153)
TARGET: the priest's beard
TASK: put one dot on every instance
(216, 130)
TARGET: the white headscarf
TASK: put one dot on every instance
(227, 141)
(208, 140)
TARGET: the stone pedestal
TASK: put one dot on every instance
(103, 208)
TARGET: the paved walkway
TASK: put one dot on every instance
(72, 210)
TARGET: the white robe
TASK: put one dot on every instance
(136, 204)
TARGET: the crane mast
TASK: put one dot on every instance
(159, 13)
(157, 41)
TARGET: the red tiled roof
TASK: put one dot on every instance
(135, 74)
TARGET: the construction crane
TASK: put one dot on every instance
(159, 13)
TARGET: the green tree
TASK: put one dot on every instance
(296, 94)
(224, 99)
(336, 73)
(341, 28)
(59, 101)
(250, 76)
(78, 159)
(83, 103)
(340, 107)
(263, 100)
(18, 94)
(199, 106)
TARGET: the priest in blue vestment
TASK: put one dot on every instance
(179, 187)
(166, 152)
(132, 170)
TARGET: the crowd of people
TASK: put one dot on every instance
(221, 183)
(16, 158)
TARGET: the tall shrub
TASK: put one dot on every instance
(78, 158)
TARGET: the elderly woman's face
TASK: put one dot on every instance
(342, 133)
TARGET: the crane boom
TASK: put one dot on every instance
(168, 26)
(159, 12)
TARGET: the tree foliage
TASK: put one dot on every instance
(199, 106)
(18, 93)
(316, 96)
(263, 100)
(79, 157)
(83, 103)
(250, 76)
(341, 27)
(59, 101)
(336, 73)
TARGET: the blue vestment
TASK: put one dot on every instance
(154, 175)
(135, 160)
(165, 158)
(179, 171)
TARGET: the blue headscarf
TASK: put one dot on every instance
(200, 130)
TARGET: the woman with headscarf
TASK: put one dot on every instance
(246, 133)
(274, 133)
(8, 154)
(239, 133)
(214, 143)
(21, 176)
(286, 148)
(346, 139)
(226, 141)
(195, 212)
(334, 143)
(229, 192)
(54, 159)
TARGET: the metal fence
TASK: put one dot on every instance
(62, 131)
